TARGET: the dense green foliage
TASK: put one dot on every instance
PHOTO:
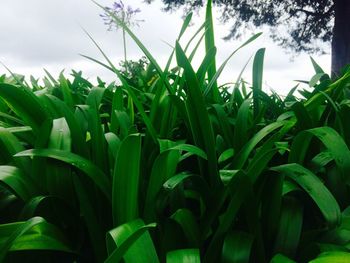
(170, 167)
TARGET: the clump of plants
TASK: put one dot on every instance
(169, 166)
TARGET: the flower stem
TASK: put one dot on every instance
(124, 44)
(125, 60)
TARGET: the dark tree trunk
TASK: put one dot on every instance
(341, 36)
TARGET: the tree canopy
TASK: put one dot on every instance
(298, 25)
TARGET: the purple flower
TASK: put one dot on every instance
(119, 5)
(122, 12)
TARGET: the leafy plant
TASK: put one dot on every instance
(173, 168)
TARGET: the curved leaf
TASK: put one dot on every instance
(131, 242)
(18, 237)
(183, 256)
(17, 183)
(333, 142)
(333, 256)
(77, 161)
(25, 104)
(315, 188)
(279, 258)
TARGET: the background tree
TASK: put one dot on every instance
(298, 25)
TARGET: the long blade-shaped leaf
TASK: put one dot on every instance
(33, 234)
(210, 45)
(25, 104)
(20, 185)
(131, 242)
(333, 142)
(183, 256)
(126, 176)
(332, 256)
(316, 189)
(163, 168)
(223, 65)
(237, 247)
(91, 170)
(291, 221)
(198, 115)
(258, 65)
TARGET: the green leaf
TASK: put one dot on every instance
(117, 105)
(95, 97)
(289, 229)
(197, 183)
(221, 68)
(271, 207)
(183, 256)
(131, 242)
(315, 79)
(35, 233)
(226, 155)
(265, 153)
(172, 182)
(87, 209)
(51, 77)
(243, 121)
(19, 129)
(97, 139)
(67, 93)
(25, 104)
(113, 143)
(201, 127)
(258, 66)
(187, 221)
(164, 167)
(60, 135)
(58, 179)
(331, 140)
(333, 256)
(185, 24)
(86, 166)
(124, 122)
(17, 182)
(224, 122)
(316, 189)
(237, 247)
(210, 45)
(279, 258)
(206, 64)
(243, 155)
(343, 116)
(11, 118)
(317, 68)
(304, 119)
(239, 188)
(76, 127)
(126, 176)
(191, 150)
(10, 145)
(236, 96)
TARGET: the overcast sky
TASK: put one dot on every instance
(46, 34)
